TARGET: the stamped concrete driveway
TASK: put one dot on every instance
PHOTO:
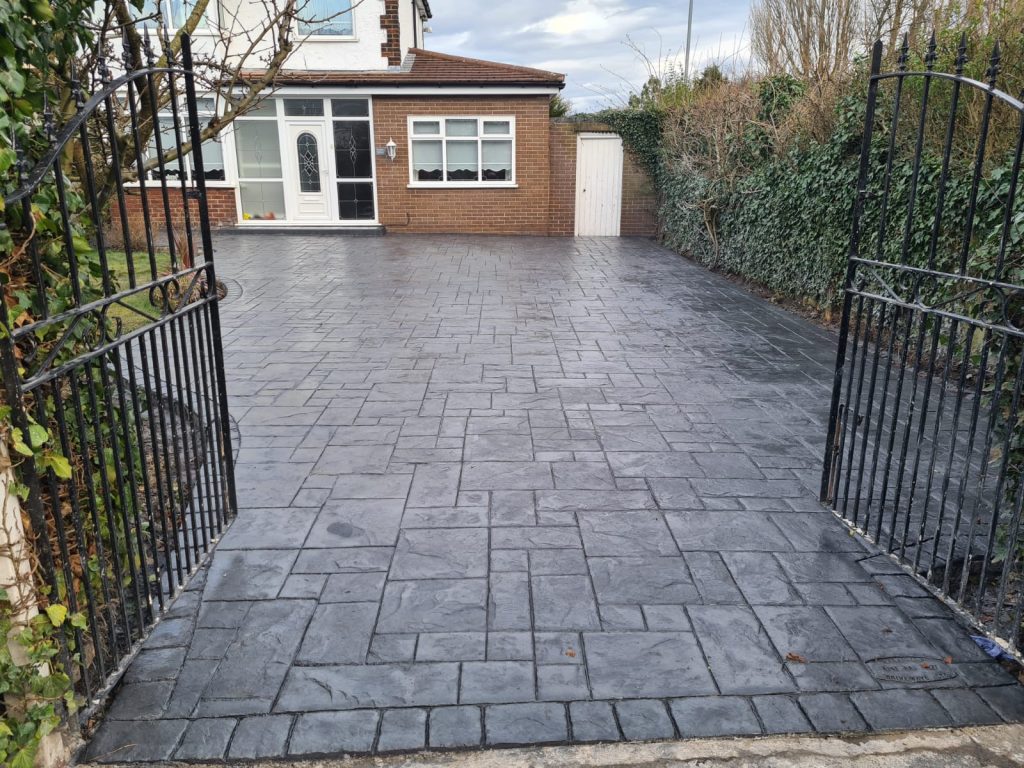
(506, 491)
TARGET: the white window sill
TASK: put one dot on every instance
(314, 38)
(331, 223)
(462, 185)
(175, 184)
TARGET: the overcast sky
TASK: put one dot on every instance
(587, 39)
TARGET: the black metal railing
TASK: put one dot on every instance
(112, 343)
(925, 450)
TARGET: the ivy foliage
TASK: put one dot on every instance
(37, 38)
(641, 130)
(779, 213)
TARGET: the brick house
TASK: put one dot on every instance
(368, 129)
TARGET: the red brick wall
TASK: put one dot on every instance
(220, 203)
(523, 210)
(639, 198)
(563, 179)
(391, 48)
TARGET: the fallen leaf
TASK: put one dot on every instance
(571, 653)
(948, 659)
(795, 657)
(925, 665)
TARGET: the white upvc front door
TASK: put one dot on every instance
(598, 184)
(308, 182)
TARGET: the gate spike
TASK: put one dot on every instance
(995, 65)
(48, 126)
(961, 54)
(164, 36)
(126, 53)
(103, 70)
(147, 47)
(929, 58)
(19, 153)
(904, 53)
(76, 87)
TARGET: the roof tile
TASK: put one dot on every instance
(426, 68)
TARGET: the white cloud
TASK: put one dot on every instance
(590, 20)
(586, 39)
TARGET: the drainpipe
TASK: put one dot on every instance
(415, 17)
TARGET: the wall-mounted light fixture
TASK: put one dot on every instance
(391, 149)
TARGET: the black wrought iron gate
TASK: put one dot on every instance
(925, 451)
(111, 344)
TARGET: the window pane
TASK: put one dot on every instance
(149, 8)
(352, 151)
(497, 161)
(262, 200)
(213, 160)
(350, 107)
(265, 108)
(206, 104)
(168, 142)
(304, 107)
(309, 163)
(502, 127)
(463, 162)
(326, 17)
(426, 161)
(426, 127)
(182, 9)
(355, 201)
(259, 153)
(460, 127)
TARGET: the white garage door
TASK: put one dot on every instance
(598, 184)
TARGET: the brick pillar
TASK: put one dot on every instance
(391, 48)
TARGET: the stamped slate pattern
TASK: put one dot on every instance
(515, 491)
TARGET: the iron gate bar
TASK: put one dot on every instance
(942, 333)
(142, 413)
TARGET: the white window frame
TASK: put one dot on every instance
(328, 119)
(275, 118)
(414, 183)
(313, 37)
(205, 115)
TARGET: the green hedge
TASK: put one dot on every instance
(786, 225)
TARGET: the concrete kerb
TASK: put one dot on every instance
(988, 747)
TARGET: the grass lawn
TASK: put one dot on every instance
(117, 262)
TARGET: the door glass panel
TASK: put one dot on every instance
(309, 162)
(262, 200)
(350, 107)
(259, 153)
(304, 107)
(426, 160)
(352, 149)
(497, 161)
(355, 201)
(463, 161)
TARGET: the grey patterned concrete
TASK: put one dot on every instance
(501, 491)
